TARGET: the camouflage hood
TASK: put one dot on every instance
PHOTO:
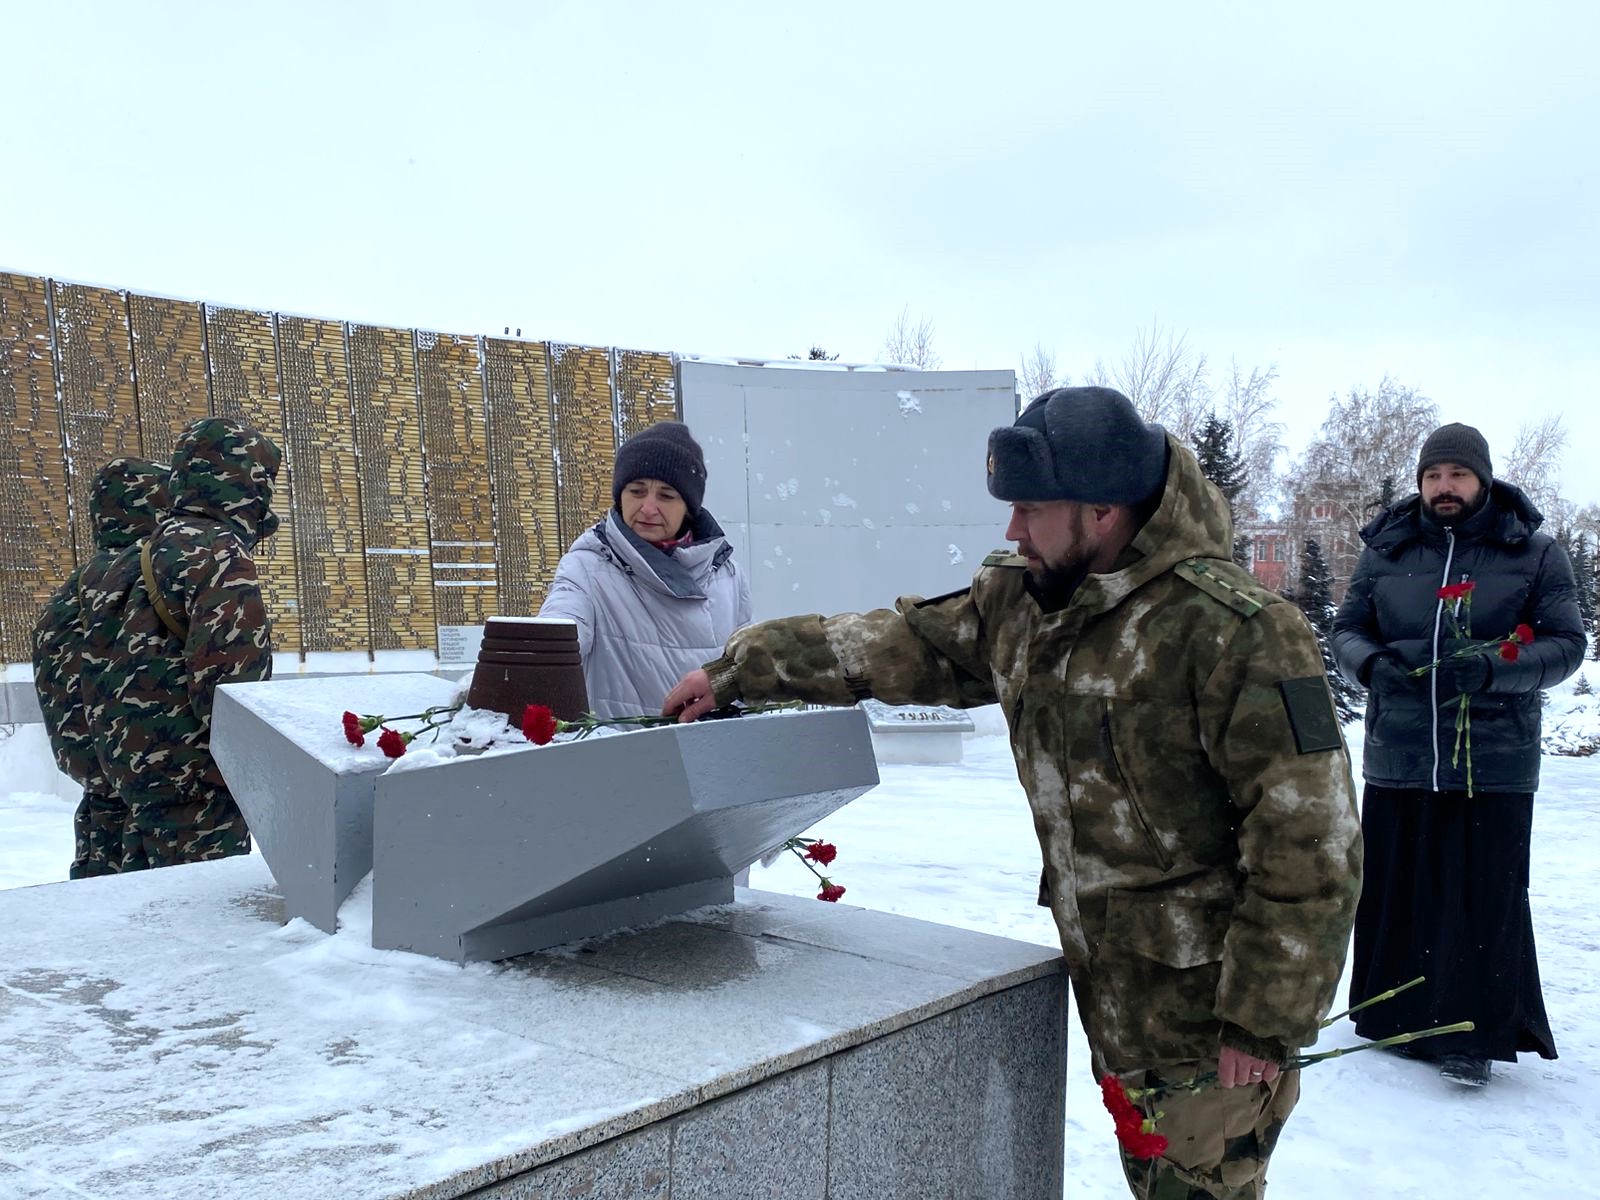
(1191, 522)
(224, 470)
(129, 498)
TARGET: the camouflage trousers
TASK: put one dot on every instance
(97, 834)
(195, 827)
(1219, 1138)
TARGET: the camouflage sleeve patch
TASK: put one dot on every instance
(1201, 574)
(1311, 716)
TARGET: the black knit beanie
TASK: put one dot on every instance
(1078, 443)
(665, 451)
(1456, 444)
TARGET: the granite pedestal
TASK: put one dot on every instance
(166, 1035)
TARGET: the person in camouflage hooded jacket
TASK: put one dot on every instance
(170, 621)
(128, 498)
(1174, 732)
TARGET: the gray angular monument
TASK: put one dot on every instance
(489, 857)
(520, 847)
(305, 791)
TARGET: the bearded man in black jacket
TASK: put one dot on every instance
(1447, 826)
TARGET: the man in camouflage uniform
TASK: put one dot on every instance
(128, 498)
(169, 622)
(1175, 736)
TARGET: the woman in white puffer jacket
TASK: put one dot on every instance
(653, 587)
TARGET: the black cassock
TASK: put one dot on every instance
(1445, 894)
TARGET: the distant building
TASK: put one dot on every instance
(1270, 552)
(1337, 530)
(1275, 545)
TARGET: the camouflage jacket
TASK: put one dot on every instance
(151, 690)
(1193, 802)
(128, 498)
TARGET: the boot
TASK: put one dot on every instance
(1464, 1069)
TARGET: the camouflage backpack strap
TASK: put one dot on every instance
(156, 599)
(1207, 575)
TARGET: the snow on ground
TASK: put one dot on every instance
(954, 843)
(1571, 718)
(36, 806)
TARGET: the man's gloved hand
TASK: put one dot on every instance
(1463, 676)
(1390, 678)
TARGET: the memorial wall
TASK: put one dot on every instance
(430, 479)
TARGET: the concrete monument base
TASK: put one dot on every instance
(168, 1035)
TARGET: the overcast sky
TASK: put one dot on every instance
(1404, 188)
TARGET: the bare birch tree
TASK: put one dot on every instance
(910, 343)
(1247, 404)
(1337, 485)
(1586, 520)
(1038, 373)
(1534, 463)
(1165, 379)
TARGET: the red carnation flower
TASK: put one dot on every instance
(1131, 1133)
(1523, 634)
(1456, 591)
(822, 852)
(539, 724)
(1509, 651)
(830, 892)
(1113, 1095)
(391, 743)
(1143, 1145)
(352, 730)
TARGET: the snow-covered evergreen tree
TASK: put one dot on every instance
(1221, 463)
(1583, 570)
(1315, 598)
(1576, 543)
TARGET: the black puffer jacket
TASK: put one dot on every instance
(1522, 577)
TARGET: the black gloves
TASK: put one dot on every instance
(1457, 676)
(1463, 676)
(1389, 677)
